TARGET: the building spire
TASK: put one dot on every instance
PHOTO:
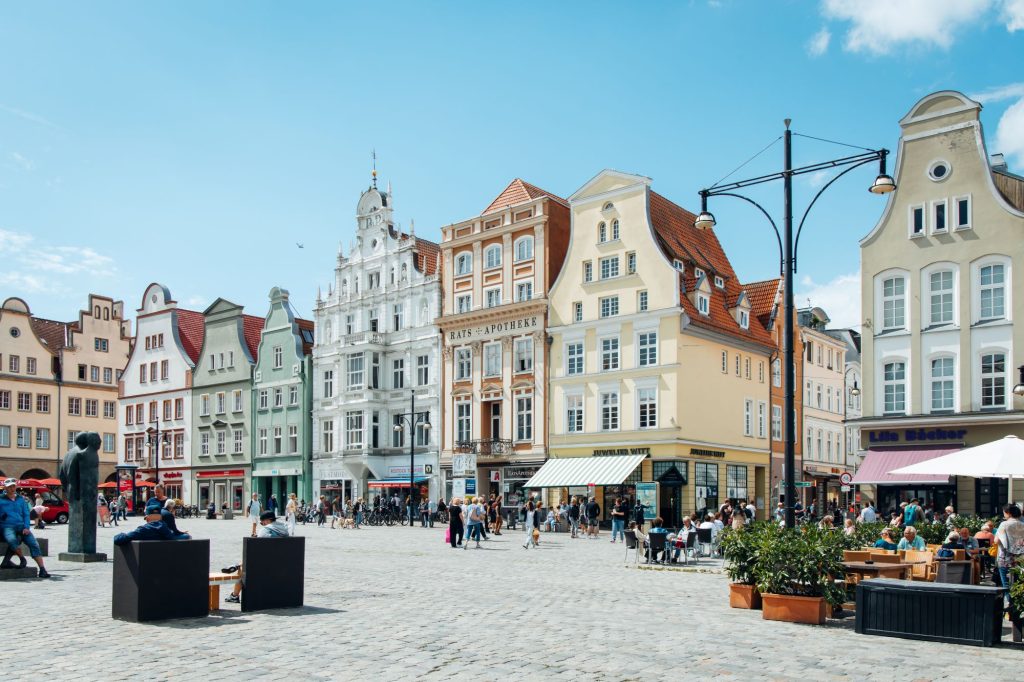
(374, 172)
(412, 227)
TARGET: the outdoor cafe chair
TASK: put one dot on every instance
(656, 543)
(855, 555)
(632, 544)
(705, 541)
(885, 558)
(691, 546)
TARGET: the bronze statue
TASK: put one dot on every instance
(79, 474)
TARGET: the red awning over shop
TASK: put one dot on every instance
(880, 461)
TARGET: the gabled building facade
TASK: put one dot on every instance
(222, 405)
(282, 399)
(940, 343)
(655, 355)
(377, 357)
(155, 393)
(496, 270)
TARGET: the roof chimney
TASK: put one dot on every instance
(997, 162)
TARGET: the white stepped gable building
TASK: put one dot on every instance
(376, 345)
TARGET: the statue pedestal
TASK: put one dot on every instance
(82, 557)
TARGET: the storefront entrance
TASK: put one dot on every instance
(935, 497)
(221, 487)
(990, 495)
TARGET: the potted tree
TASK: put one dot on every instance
(739, 548)
(795, 571)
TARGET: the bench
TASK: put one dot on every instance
(218, 579)
(44, 546)
(936, 612)
(274, 570)
(158, 580)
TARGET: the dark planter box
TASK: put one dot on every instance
(157, 580)
(274, 572)
(936, 612)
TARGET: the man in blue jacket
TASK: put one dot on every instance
(153, 529)
(14, 523)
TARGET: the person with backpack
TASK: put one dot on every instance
(912, 513)
(1010, 540)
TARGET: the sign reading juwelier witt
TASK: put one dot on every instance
(490, 331)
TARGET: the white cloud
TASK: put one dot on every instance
(839, 298)
(197, 301)
(43, 268)
(818, 178)
(1000, 93)
(880, 26)
(818, 44)
(23, 161)
(1013, 15)
(1009, 137)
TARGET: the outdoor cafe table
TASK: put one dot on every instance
(878, 570)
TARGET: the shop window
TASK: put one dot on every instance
(705, 475)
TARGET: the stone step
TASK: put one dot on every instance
(18, 573)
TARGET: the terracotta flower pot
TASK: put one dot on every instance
(744, 596)
(793, 609)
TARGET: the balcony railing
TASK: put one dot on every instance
(379, 338)
(487, 446)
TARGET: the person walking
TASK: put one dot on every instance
(357, 511)
(253, 512)
(496, 511)
(574, 516)
(475, 523)
(531, 526)
(455, 527)
(321, 510)
(272, 504)
(111, 506)
(431, 512)
(618, 520)
(424, 513)
(593, 517)
(291, 510)
(122, 507)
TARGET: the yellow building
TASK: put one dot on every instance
(56, 380)
(655, 358)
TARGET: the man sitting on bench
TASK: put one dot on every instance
(15, 524)
(270, 527)
(153, 529)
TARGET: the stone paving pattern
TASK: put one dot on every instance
(397, 603)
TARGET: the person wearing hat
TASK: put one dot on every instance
(270, 527)
(15, 525)
(153, 529)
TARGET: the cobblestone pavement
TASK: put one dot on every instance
(397, 603)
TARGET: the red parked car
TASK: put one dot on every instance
(56, 509)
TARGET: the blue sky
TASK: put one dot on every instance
(194, 143)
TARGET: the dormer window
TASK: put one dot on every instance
(678, 265)
(719, 282)
(608, 206)
(745, 319)
(702, 304)
(698, 273)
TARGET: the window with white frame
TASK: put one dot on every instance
(993, 381)
(748, 417)
(609, 354)
(524, 355)
(524, 291)
(941, 297)
(524, 418)
(577, 311)
(776, 422)
(221, 403)
(398, 317)
(327, 435)
(744, 319)
(916, 226)
(894, 382)
(463, 364)
(574, 358)
(262, 445)
(615, 229)
(641, 300)
(588, 271)
(463, 303)
(609, 306)
(204, 405)
(702, 304)
(719, 282)
(236, 441)
(398, 373)
(463, 263)
(492, 256)
(762, 419)
(679, 265)
(894, 303)
(609, 410)
(602, 233)
(647, 408)
(631, 263)
(354, 429)
(962, 215)
(204, 443)
(991, 281)
(356, 372)
(647, 349)
(574, 414)
(609, 267)
(236, 401)
(293, 439)
(328, 383)
(222, 442)
(278, 441)
(492, 360)
(939, 215)
(422, 370)
(278, 357)
(524, 248)
(725, 362)
(293, 395)
(746, 367)
(942, 384)
(463, 421)
(264, 398)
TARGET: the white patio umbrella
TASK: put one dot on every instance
(1003, 458)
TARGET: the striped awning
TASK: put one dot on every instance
(583, 471)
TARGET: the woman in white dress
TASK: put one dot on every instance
(290, 511)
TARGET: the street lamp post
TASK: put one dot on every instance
(154, 436)
(411, 419)
(788, 243)
(854, 392)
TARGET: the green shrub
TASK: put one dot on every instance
(740, 550)
(801, 562)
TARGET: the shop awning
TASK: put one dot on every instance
(395, 482)
(584, 471)
(880, 461)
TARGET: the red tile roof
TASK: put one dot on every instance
(54, 334)
(191, 330)
(517, 192)
(763, 296)
(681, 239)
(306, 325)
(427, 256)
(251, 327)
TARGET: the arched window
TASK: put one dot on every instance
(524, 248)
(464, 263)
(602, 233)
(106, 313)
(96, 314)
(776, 372)
(492, 256)
(615, 229)
(608, 206)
